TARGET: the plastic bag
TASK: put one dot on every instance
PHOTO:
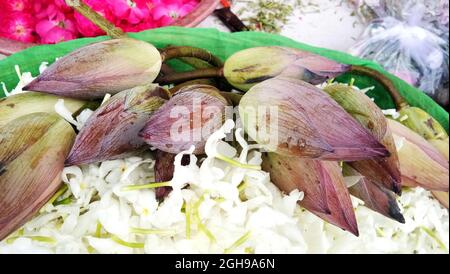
(410, 40)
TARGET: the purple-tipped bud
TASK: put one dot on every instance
(294, 118)
(112, 130)
(188, 118)
(326, 193)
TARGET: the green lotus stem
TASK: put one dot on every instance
(238, 243)
(166, 70)
(176, 88)
(399, 100)
(192, 52)
(195, 63)
(98, 20)
(237, 163)
(148, 186)
(181, 77)
(127, 244)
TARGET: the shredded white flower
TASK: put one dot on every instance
(228, 206)
(106, 98)
(392, 113)
(65, 113)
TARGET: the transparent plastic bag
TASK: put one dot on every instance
(411, 42)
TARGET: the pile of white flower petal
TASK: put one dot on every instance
(221, 204)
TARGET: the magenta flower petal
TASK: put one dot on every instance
(9, 6)
(44, 26)
(18, 26)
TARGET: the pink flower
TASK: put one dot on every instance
(133, 11)
(168, 11)
(148, 24)
(52, 21)
(57, 35)
(8, 6)
(56, 30)
(18, 26)
(62, 6)
(46, 9)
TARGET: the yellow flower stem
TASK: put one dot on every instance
(148, 186)
(238, 243)
(198, 220)
(65, 201)
(98, 230)
(242, 187)
(219, 200)
(42, 239)
(125, 243)
(237, 163)
(434, 237)
(58, 194)
(204, 229)
(144, 231)
(188, 221)
(90, 249)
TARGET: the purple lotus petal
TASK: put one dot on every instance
(326, 194)
(310, 123)
(188, 118)
(112, 131)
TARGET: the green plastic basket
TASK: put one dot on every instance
(223, 45)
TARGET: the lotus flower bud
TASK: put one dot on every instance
(384, 171)
(442, 197)
(293, 118)
(441, 146)
(97, 69)
(420, 163)
(18, 105)
(32, 153)
(112, 130)
(422, 123)
(425, 125)
(249, 67)
(326, 194)
(374, 196)
(188, 118)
